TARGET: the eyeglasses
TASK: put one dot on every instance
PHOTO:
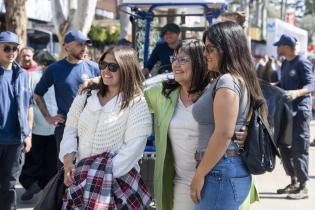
(182, 60)
(112, 67)
(210, 48)
(9, 49)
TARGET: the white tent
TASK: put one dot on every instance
(276, 27)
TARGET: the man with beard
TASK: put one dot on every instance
(66, 75)
(162, 51)
(26, 59)
(297, 80)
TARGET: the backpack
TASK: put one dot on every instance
(260, 150)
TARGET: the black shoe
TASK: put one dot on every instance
(301, 193)
(312, 143)
(288, 189)
(29, 193)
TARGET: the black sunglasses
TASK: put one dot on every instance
(210, 48)
(9, 49)
(112, 67)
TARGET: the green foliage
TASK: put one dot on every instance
(97, 33)
(310, 6)
(101, 36)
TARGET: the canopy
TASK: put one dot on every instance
(147, 10)
(146, 5)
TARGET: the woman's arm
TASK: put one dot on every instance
(128, 156)
(225, 108)
(139, 127)
(68, 148)
(68, 145)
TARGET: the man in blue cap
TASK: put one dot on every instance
(16, 117)
(66, 75)
(164, 50)
(297, 80)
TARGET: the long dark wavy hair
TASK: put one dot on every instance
(231, 42)
(194, 48)
(131, 77)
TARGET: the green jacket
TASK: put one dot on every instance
(164, 172)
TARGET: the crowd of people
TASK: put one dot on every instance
(98, 136)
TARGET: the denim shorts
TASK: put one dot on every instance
(226, 186)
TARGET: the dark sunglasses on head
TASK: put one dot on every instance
(112, 67)
(9, 49)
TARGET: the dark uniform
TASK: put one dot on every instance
(162, 52)
(296, 74)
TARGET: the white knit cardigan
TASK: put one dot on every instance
(106, 128)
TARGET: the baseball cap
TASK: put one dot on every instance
(172, 27)
(75, 35)
(9, 37)
(286, 39)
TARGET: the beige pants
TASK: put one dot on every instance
(182, 200)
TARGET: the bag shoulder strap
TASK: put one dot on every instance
(88, 94)
(249, 116)
(214, 88)
(256, 105)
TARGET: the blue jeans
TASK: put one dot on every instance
(226, 186)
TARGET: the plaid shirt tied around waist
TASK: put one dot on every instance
(94, 187)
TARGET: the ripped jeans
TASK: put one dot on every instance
(226, 186)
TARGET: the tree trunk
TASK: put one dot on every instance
(264, 19)
(72, 14)
(125, 24)
(84, 16)
(283, 9)
(245, 8)
(16, 19)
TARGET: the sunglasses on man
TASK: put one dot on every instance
(112, 67)
(9, 49)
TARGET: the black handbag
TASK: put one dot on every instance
(53, 192)
(260, 150)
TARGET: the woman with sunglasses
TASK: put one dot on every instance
(221, 180)
(115, 119)
(176, 131)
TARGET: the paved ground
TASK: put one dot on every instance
(267, 185)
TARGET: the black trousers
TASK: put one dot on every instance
(40, 162)
(296, 158)
(58, 135)
(10, 166)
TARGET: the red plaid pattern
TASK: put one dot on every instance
(95, 188)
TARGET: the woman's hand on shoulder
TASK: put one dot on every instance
(88, 84)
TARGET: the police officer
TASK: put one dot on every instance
(297, 80)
